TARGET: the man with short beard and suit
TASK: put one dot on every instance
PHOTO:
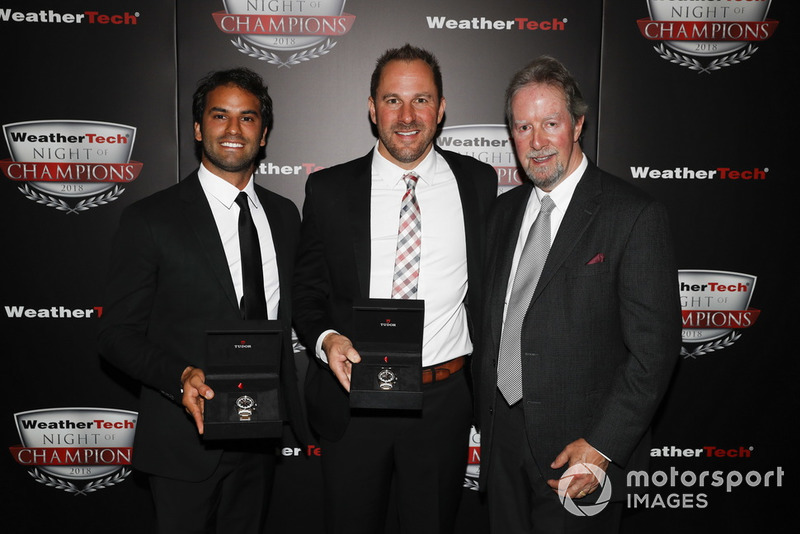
(349, 237)
(177, 270)
(581, 325)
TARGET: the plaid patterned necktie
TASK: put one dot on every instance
(409, 241)
(529, 269)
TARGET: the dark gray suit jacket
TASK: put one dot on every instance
(333, 265)
(601, 336)
(169, 281)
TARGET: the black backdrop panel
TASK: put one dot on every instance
(122, 77)
(697, 125)
(70, 67)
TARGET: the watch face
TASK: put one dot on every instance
(387, 378)
(245, 402)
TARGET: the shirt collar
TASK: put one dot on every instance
(224, 191)
(390, 174)
(562, 193)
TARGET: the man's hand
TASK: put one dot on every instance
(195, 394)
(583, 483)
(341, 357)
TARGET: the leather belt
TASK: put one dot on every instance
(440, 372)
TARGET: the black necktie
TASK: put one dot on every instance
(254, 303)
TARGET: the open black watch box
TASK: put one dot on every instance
(387, 334)
(243, 368)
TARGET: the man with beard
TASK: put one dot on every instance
(177, 269)
(581, 324)
(350, 238)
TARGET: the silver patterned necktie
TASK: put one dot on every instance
(409, 243)
(529, 269)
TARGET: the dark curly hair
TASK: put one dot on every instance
(240, 77)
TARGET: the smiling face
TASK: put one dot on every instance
(231, 133)
(406, 110)
(545, 138)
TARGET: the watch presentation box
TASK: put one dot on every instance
(388, 336)
(243, 368)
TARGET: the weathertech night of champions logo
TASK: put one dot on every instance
(715, 304)
(60, 161)
(304, 29)
(489, 143)
(724, 31)
(77, 450)
(473, 460)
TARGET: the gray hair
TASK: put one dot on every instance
(549, 71)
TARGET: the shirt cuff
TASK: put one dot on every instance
(318, 347)
(603, 455)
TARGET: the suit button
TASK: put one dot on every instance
(491, 411)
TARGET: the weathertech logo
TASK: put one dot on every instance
(58, 162)
(484, 24)
(50, 16)
(686, 173)
(726, 32)
(709, 451)
(305, 28)
(52, 312)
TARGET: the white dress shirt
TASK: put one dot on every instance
(221, 197)
(443, 264)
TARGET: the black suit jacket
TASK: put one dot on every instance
(333, 265)
(169, 281)
(602, 333)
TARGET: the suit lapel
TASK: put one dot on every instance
(282, 253)
(582, 209)
(359, 200)
(469, 206)
(510, 223)
(201, 220)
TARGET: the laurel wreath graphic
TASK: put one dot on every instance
(693, 64)
(275, 59)
(69, 487)
(61, 205)
(711, 347)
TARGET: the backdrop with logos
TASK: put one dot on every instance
(688, 100)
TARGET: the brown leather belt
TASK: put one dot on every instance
(440, 372)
